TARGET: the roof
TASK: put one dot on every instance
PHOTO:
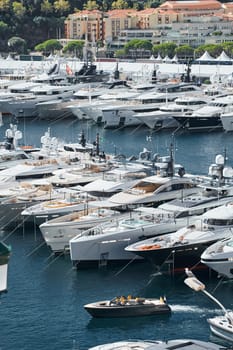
(188, 5)
(223, 57)
(206, 57)
(121, 12)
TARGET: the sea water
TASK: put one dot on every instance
(43, 308)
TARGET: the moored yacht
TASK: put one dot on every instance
(219, 257)
(164, 116)
(207, 117)
(184, 247)
(187, 344)
(72, 201)
(57, 232)
(169, 182)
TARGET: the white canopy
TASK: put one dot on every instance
(223, 57)
(175, 58)
(158, 58)
(167, 59)
(206, 57)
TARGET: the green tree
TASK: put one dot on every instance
(49, 46)
(120, 53)
(17, 44)
(5, 5)
(137, 44)
(213, 49)
(46, 7)
(166, 49)
(91, 5)
(228, 48)
(19, 9)
(184, 51)
(75, 47)
(61, 6)
(119, 4)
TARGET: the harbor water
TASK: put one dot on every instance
(43, 308)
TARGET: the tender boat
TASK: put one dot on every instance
(221, 326)
(187, 344)
(128, 307)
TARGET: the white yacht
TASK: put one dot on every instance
(92, 108)
(69, 201)
(219, 257)
(227, 119)
(19, 197)
(186, 344)
(25, 106)
(164, 117)
(105, 243)
(184, 247)
(221, 326)
(123, 115)
(207, 117)
(59, 231)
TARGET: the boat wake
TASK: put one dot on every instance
(193, 309)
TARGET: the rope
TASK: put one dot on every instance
(34, 250)
(124, 267)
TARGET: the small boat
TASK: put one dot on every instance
(221, 326)
(187, 344)
(128, 307)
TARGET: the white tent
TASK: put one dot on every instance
(152, 57)
(175, 58)
(167, 59)
(206, 57)
(223, 57)
(158, 58)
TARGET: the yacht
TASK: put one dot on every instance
(221, 326)
(184, 247)
(169, 182)
(105, 243)
(219, 257)
(10, 151)
(91, 108)
(182, 344)
(164, 116)
(207, 117)
(59, 231)
(70, 200)
(25, 106)
(123, 115)
(20, 196)
(227, 119)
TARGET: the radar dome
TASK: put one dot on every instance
(219, 159)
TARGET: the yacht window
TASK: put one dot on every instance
(183, 214)
(219, 222)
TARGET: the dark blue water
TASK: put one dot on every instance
(43, 308)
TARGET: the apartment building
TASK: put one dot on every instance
(85, 25)
(183, 22)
